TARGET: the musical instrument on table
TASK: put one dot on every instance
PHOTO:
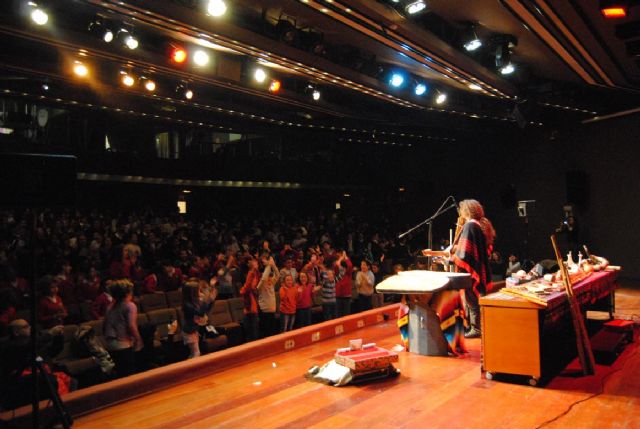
(422, 281)
(438, 253)
(585, 353)
(448, 251)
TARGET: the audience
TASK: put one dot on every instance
(102, 260)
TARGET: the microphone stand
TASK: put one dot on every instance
(442, 209)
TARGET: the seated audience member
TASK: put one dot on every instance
(67, 284)
(16, 289)
(201, 269)
(513, 265)
(88, 285)
(51, 309)
(16, 360)
(121, 328)
(103, 301)
(171, 278)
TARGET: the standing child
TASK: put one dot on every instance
(195, 307)
(328, 295)
(267, 298)
(250, 294)
(288, 299)
(303, 305)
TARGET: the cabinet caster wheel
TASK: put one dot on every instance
(488, 375)
(533, 381)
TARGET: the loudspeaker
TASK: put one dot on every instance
(37, 180)
(577, 188)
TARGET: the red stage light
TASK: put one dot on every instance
(275, 86)
(179, 55)
(614, 12)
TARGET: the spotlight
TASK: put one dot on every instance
(80, 69)
(184, 91)
(260, 75)
(473, 42)
(150, 85)
(108, 36)
(508, 69)
(131, 42)
(128, 39)
(441, 98)
(100, 27)
(127, 79)
(216, 7)
(396, 80)
(200, 58)
(313, 92)
(473, 45)
(420, 89)
(415, 7)
(39, 16)
(275, 86)
(178, 55)
(614, 8)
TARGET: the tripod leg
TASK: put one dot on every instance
(61, 412)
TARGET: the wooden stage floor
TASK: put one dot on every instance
(431, 392)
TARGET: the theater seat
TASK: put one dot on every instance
(152, 301)
(236, 307)
(161, 319)
(174, 298)
(220, 316)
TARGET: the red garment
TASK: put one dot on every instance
(89, 289)
(68, 291)
(100, 305)
(288, 299)
(305, 293)
(250, 292)
(51, 312)
(150, 284)
(171, 282)
(62, 378)
(345, 284)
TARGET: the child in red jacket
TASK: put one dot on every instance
(288, 299)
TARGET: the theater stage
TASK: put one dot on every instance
(434, 392)
(259, 384)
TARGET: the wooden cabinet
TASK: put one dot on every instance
(523, 338)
